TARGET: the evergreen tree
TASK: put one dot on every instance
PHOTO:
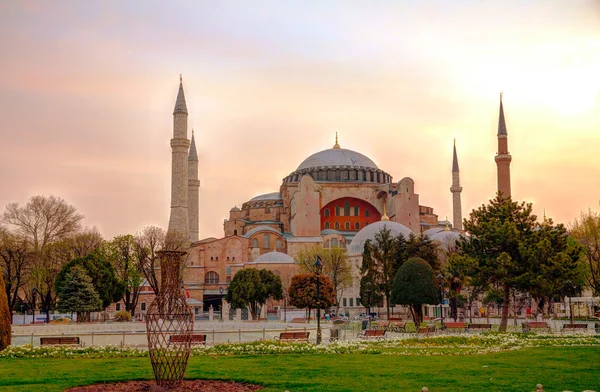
(78, 293)
(379, 264)
(414, 286)
(5, 317)
(252, 288)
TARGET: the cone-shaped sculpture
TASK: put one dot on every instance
(169, 324)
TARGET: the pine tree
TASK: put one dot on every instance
(78, 293)
(5, 317)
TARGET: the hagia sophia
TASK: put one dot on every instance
(334, 198)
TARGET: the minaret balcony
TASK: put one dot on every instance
(503, 157)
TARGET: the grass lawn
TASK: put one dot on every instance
(557, 368)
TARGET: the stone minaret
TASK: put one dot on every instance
(193, 189)
(178, 222)
(503, 158)
(456, 189)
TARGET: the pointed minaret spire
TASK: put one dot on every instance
(193, 191)
(336, 145)
(180, 106)
(456, 189)
(180, 145)
(503, 157)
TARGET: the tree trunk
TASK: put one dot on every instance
(387, 304)
(506, 303)
(453, 308)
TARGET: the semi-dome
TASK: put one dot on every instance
(273, 257)
(337, 157)
(369, 231)
(446, 238)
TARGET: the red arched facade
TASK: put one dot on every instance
(348, 214)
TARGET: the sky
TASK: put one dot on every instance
(87, 91)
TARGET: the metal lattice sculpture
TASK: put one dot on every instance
(169, 324)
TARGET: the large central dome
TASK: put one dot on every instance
(337, 157)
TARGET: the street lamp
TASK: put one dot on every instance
(368, 291)
(33, 291)
(318, 268)
(440, 277)
(571, 287)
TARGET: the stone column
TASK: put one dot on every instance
(211, 313)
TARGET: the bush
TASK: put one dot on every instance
(122, 316)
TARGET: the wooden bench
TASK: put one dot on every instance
(294, 336)
(479, 327)
(425, 330)
(67, 340)
(395, 319)
(528, 326)
(298, 321)
(574, 327)
(397, 326)
(375, 334)
(196, 339)
(380, 325)
(455, 326)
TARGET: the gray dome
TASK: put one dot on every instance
(337, 157)
(369, 231)
(235, 209)
(267, 196)
(446, 238)
(273, 257)
(435, 230)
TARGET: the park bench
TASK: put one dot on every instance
(574, 327)
(528, 326)
(425, 330)
(298, 321)
(196, 339)
(397, 326)
(375, 334)
(67, 340)
(382, 325)
(479, 327)
(294, 336)
(395, 319)
(455, 326)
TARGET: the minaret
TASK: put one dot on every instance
(503, 158)
(193, 189)
(456, 189)
(178, 222)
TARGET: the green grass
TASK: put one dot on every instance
(558, 369)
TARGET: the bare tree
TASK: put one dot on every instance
(148, 242)
(15, 264)
(44, 220)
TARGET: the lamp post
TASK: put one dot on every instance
(318, 267)
(571, 287)
(33, 291)
(440, 277)
(368, 291)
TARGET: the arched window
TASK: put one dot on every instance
(254, 243)
(267, 241)
(326, 213)
(211, 278)
(347, 225)
(327, 225)
(335, 243)
(278, 244)
(367, 213)
(211, 258)
(346, 209)
(337, 210)
(356, 211)
(235, 232)
(357, 226)
(337, 225)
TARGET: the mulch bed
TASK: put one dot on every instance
(186, 386)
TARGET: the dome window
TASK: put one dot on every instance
(357, 226)
(337, 210)
(347, 225)
(326, 212)
(211, 278)
(327, 225)
(337, 225)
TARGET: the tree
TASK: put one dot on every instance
(414, 286)
(586, 230)
(43, 221)
(121, 252)
(15, 264)
(148, 242)
(78, 294)
(5, 318)
(303, 292)
(370, 296)
(336, 265)
(500, 234)
(379, 263)
(251, 288)
(421, 247)
(105, 282)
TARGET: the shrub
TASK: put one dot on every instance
(122, 316)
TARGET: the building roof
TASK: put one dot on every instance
(273, 257)
(501, 122)
(267, 196)
(337, 157)
(193, 155)
(368, 233)
(180, 106)
(235, 209)
(454, 160)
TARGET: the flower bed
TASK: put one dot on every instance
(465, 344)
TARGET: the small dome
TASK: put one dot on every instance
(446, 238)
(435, 230)
(267, 196)
(273, 257)
(235, 209)
(337, 157)
(368, 233)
